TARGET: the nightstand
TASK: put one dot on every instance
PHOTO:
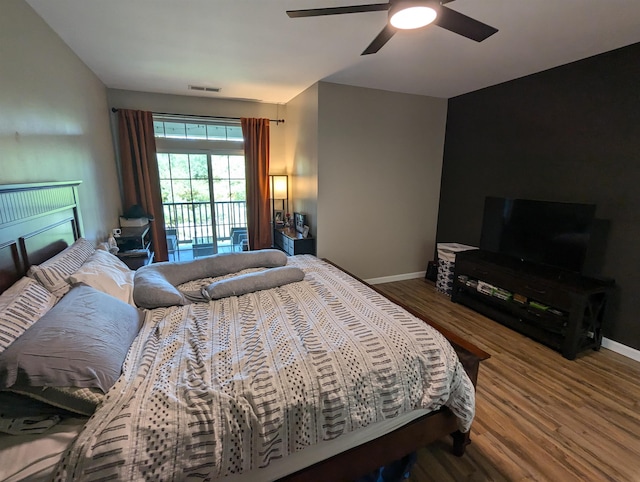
(134, 238)
(135, 247)
(291, 242)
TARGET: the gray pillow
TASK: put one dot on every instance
(53, 273)
(155, 285)
(151, 289)
(248, 283)
(81, 342)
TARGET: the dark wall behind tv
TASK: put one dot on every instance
(568, 134)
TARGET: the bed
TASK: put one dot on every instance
(327, 442)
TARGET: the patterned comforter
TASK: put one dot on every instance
(213, 389)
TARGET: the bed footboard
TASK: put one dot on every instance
(471, 363)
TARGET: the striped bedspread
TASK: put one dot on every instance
(213, 389)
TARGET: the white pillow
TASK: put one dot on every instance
(21, 306)
(105, 272)
(53, 273)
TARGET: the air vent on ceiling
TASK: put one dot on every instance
(202, 88)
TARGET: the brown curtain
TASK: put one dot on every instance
(140, 177)
(256, 159)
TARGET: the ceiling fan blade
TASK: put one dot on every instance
(463, 25)
(378, 42)
(316, 12)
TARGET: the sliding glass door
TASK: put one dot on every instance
(203, 183)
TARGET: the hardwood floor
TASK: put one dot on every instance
(538, 416)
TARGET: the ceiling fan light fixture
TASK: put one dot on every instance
(410, 15)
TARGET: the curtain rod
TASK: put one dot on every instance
(277, 121)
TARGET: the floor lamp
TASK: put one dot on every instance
(279, 194)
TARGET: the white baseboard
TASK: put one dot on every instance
(622, 349)
(397, 277)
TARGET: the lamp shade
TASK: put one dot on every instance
(280, 189)
(407, 15)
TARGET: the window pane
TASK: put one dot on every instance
(179, 166)
(216, 133)
(165, 189)
(163, 166)
(220, 167)
(182, 191)
(158, 129)
(196, 131)
(174, 130)
(236, 167)
(199, 169)
(202, 218)
(238, 191)
(221, 191)
(234, 133)
(200, 190)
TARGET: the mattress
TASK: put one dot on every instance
(34, 458)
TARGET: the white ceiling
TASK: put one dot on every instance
(252, 50)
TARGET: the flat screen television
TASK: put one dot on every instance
(551, 233)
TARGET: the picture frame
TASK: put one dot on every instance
(278, 217)
(305, 231)
(299, 221)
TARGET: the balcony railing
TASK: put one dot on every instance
(194, 230)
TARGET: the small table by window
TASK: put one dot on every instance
(135, 247)
(291, 242)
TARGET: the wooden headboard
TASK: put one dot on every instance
(37, 221)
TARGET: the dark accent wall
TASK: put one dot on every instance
(568, 134)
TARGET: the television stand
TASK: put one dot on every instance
(561, 309)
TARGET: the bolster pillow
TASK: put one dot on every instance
(250, 282)
(154, 285)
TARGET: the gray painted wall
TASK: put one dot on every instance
(378, 157)
(567, 134)
(302, 155)
(54, 122)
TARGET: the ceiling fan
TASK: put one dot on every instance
(409, 14)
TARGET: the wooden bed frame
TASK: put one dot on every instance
(38, 221)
